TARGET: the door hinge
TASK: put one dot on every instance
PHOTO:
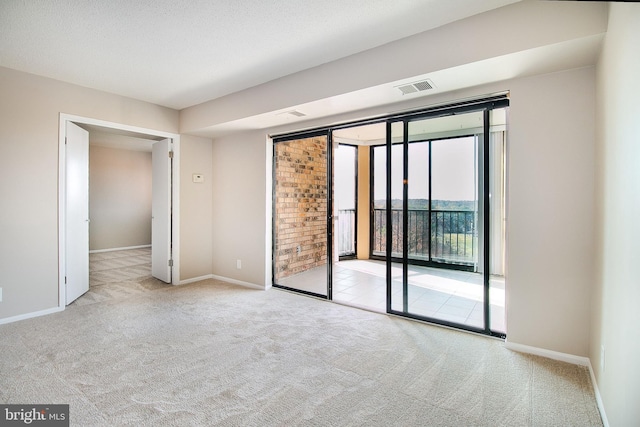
(65, 140)
(65, 280)
(170, 263)
(171, 154)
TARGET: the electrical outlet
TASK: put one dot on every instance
(298, 250)
(239, 264)
(602, 354)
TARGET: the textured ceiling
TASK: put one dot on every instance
(179, 53)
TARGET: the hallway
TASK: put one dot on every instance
(119, 274)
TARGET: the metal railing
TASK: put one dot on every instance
(452, 237)
(346, 232)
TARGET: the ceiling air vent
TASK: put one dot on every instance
(294, 113)
(416, 87)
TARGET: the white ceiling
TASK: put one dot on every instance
(180, 53)
(547, 59)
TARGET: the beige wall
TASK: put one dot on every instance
(364, 207)
(615, 321)
(549, 212)
(119, 198)
(196, 201)
(239, 194)
(550, 203)
(30, 108)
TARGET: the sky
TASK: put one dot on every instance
(344, 177)
(453, 175)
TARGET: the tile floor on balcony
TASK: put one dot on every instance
(450, 295)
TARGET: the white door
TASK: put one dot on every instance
(77, 212)
(161, 211)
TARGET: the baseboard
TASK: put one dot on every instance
(196, 279)
(222, 278)
(96, 251)
(599, 402)
(31, 315)
(550, 354)
(238, 282)
(569, 358)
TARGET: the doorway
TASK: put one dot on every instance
(73, 264)
(430, 213)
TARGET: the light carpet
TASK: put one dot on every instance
(119, 274)
(212, 353)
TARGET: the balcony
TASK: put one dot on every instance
(439, 236)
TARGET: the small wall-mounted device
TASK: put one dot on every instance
(198, 178)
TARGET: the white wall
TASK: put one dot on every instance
(196, 200)
(550, 203)
(616, 315)
(119, 198)
(239, 221)
(30, 108)
(549, 211)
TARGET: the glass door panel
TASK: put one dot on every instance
(419, 228)
(345, 199)
(454, 204)
(442, 213)
(418, 224)
(455, 213)
(395, 219)
(359, 280)
(301, 204)
(379, 201)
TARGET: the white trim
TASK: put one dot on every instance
(114, 125)
(221, 278)
(550, 354)
(268, 207)
(237, 282)
(196, 279)
(175, 235)
(62, 212)
(599, 402)
(30, 315)
(97, 251)
(175, 210)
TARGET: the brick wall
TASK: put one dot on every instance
(300, 205)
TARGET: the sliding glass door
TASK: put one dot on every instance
(439, 184)
(435, 228)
